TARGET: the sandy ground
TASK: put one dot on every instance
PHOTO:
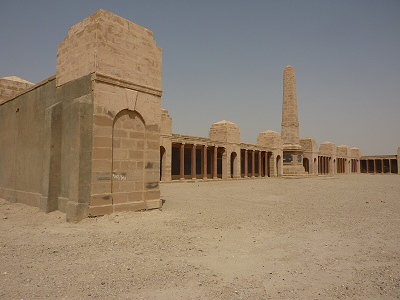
(313, 238)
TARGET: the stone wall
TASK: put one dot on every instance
(108, 44)
(125, 142)
(29, 145)
(87, 141)
(310, 155)
(12, 86)
(166, 146)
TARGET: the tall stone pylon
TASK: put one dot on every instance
(290, 115)
(292, 151)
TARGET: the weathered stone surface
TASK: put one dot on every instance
(11, 86)
(290, 120)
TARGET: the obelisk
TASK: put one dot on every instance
(292, 152)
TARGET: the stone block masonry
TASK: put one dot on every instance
(125, 64)
(12, 86)
(87, 141)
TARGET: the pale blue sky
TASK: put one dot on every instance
(225, 60)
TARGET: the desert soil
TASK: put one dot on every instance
(275, 238)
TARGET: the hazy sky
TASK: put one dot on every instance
(225, 60)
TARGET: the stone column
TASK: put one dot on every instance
(326, 165)
(319, 165)
(215, 163)
(253, 163)
(194, 161)
(259, 164)
(205, 162)
(398, 160)
(182, 162)
(246, 163)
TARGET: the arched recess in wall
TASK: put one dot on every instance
(233, 163)
(128, 157)
(162, 153)
(306, 165)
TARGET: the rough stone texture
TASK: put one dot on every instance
(29, 125)
(11, 86)
(228, 133)
(270, 139)
(165, 146)
(76, 147)
(126, 69)
(343, 151)
(310, 155)
(225, 131)
(290, 125)
(290, 120)
(108, 44)
(328, 149)
(72, 141)
(355, 152)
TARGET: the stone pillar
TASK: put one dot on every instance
(194, 162)
(259, 164)
(225, 163)
(205, 162)
(246, 164)
(326, 165)
(215, 163)
(253, 163)
(182, 162)
(273, 165)
(398, 160)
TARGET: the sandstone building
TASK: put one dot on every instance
(94, 139)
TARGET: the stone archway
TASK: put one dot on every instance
(128, 157)
(306, 165)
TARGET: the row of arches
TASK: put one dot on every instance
(324, 165)
(191, 161)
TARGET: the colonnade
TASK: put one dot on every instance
(324, 165)
(255, 163)
(341, 165)
(379, 165)
(190, 161)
